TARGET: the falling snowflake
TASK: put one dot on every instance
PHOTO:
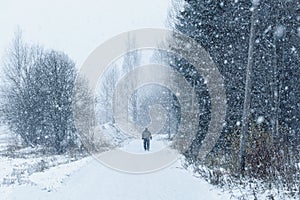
(279, 31)
(260, 120)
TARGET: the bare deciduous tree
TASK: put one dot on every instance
(37, 95)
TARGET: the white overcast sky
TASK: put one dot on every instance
(77, 26)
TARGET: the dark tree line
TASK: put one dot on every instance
(223, 28)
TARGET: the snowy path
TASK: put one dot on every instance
(95, 181)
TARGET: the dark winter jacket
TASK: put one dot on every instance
(146, 134)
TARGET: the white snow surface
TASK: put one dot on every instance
(113, 135)
(89, 179)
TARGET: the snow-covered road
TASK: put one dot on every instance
(95, 181)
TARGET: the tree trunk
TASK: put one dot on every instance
(246, 109)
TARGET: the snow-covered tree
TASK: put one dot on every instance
(36, 95)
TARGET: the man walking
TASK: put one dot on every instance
(146, 136)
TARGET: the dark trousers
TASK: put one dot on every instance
(146, 144)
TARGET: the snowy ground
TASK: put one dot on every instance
(27, 173)
(89, 179)
(26, 166)
(113, 136)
